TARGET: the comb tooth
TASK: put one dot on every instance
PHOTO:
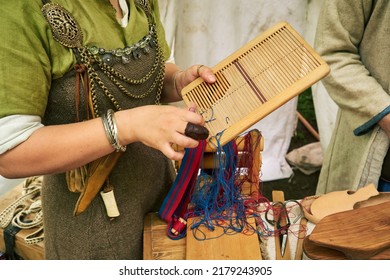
(307, 60)
(232, 108)
(202, 97)
(258, 79)
(218, 91)
(289, 62)
(228, 73)
(221, 110)
(262, 63)
(257, 92)
(212, 112)
(250, 68)
(251, 99)
(231, 104)
(277, 70)
(194, 97)
(300, 42)
(199, 98)
(239, 106)
(225, 85)
(254, 66)
(268, 73)
(295, 56)
(282, 64)
(293, 62)
(208, 94)
(285, 66)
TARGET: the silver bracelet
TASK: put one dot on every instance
(112, 131)
(174, 82)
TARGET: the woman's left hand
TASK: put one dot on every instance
(183, 78)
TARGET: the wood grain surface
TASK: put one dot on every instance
(359, 233)
(220, 246)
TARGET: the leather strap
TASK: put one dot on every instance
(9, 240)
(81, 78)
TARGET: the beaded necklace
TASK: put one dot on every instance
(67, 32)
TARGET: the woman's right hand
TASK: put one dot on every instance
(158, 126)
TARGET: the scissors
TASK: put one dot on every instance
(281, 220)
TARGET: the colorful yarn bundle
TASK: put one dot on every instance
(216, 198)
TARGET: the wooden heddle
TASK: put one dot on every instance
(255, 80)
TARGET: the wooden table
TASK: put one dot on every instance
(158, 246)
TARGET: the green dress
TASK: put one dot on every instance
(43, 78)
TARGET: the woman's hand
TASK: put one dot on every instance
(158, 127)
(185, 77)
(176, 80)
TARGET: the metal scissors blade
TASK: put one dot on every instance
(283, 242)
(282, 223)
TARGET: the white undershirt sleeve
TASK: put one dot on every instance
(16, 129)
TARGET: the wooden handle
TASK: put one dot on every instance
(301, 237)
(339, 201)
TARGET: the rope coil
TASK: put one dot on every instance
(26, 211)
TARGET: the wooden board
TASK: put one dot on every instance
(157, 244)
(374, 200)
(358, 233)
(24, 250)
(339, 201)
(221, 246)
(316, 252)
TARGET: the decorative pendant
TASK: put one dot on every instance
(65, 29)
(108, 59)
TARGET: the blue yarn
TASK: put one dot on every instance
(217, 199)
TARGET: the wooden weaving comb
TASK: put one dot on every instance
(255, 80)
